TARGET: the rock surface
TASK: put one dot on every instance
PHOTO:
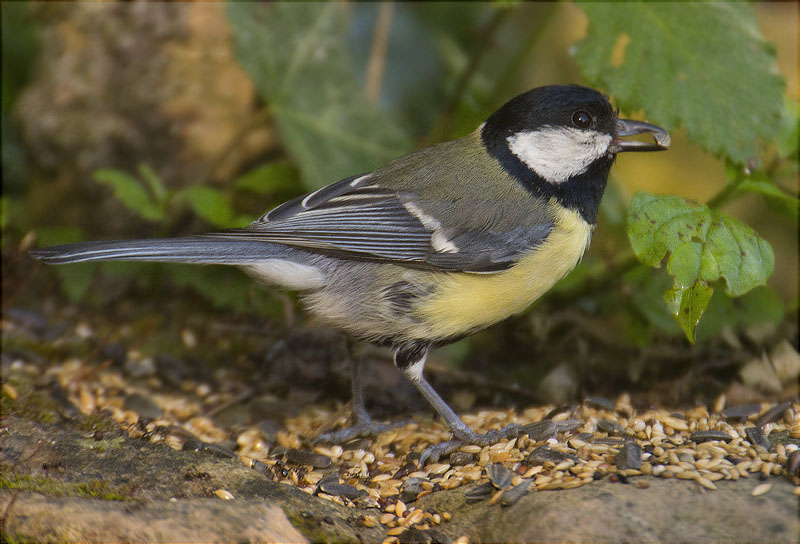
(73, 482)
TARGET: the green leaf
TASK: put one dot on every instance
(267, 178)
(687, 305)
(298, 58)
(701, 246)
(130, 191)
(701, 63)
(154, 182)
(788, 133)
(209, 204)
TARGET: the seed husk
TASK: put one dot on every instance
(302, 457)
(499, 475)
(629, 457)
(740, 412)
(773, 414)
(756, 436)
(540, 431)
(514, 494)
(706, 436)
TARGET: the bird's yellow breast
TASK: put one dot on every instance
(465, 302)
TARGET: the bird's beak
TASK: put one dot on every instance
(627, 127)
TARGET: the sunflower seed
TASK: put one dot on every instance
(302, 457)
(479, 493)
(741, 412)
(600, 402)
(756, 436)
(629, 457)
(705, 436)
(773, 414)
(542, 454)
(499, 475)
(541, 430)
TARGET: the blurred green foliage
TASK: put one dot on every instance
(445, 66)
(18, 48)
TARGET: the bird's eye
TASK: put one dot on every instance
(582, 119)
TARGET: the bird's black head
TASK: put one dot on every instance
(560, 141)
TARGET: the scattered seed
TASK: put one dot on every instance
(609, 426)
(705, 436)
(499, 475)
(741, 412)
(601, 403)
(705, 482)
(302, 457)
(512, 495)
(629, 457)
(756, 436)
(331, 486)
(223, 494)
(540, 431)
(569, 425)
(478, 493)
(542, 454)
(793, 464)
(9, 390)
(461, 458)
(773, 414)
(760, 489)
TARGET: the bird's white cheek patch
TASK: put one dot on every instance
(559, 153)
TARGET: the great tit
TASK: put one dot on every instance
(433, 246)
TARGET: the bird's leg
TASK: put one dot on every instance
(411, 360)
(363, 425)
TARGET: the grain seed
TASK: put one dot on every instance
(761, 489)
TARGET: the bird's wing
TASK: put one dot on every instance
(358, 218)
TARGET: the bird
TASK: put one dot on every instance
(433, 246)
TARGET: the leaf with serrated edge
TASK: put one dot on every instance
(701, 246)
(701, 63)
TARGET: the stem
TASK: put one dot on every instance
(726, 192)
(377, 56)
(729, 190)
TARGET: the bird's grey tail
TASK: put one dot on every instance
(191, 249)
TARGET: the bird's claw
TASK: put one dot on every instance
(435, 452)
(360, 429)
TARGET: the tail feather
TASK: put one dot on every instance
(191, 249)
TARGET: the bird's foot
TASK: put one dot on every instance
(433, 453)
(365, 428)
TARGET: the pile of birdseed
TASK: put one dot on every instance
(562, 448)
